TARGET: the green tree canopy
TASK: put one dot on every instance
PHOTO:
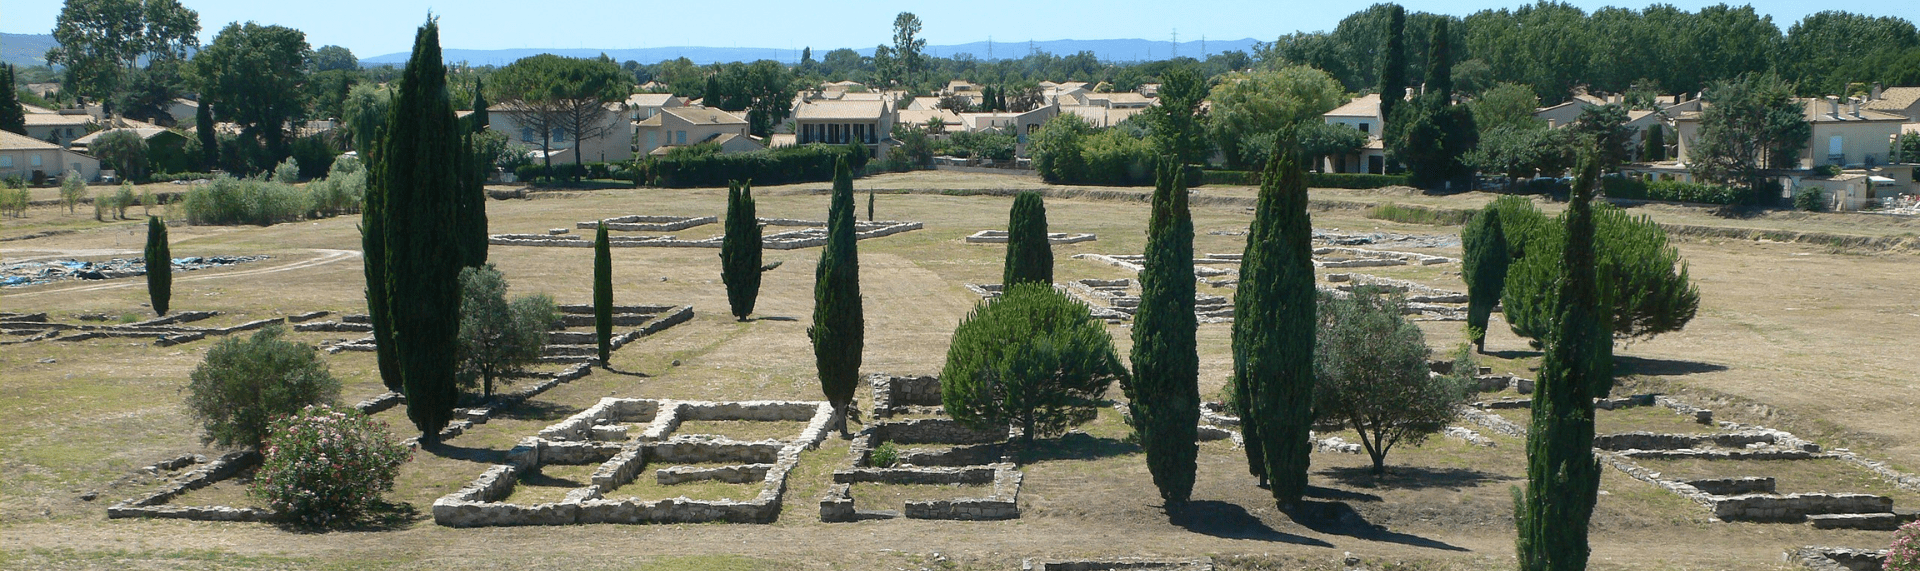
(1032, 357)
(1370, 366)
(253, 73)
(1248, 106)
(1750, 125)
(553, 94)
(1506, 105)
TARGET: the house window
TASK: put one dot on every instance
(6, 161)
(560, 135)
(680, 137)
(34, 160)
(526, 134)
(1364, 127)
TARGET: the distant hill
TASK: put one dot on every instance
(1106, 50)
(25, 50)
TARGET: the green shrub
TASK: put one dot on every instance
(1032, 357)
(326, 466)
(228, 201)
(785, 165)
(243, 384)
(72, 190)
(122, 200)
(1419, 215)
(1810, 199)
(884, 456)
(1370, 366)
(497, 336)
(13, 201)
(1359, 181)
(1242, 178)
(170, 177)
(288, 172)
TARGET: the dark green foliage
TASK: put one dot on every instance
(786, 165)
(203, 130)
(478, 120)
(1563, 477)
(839, 323)
(1178, 122)
(1604, 127)
(13, 117)
(159, 266)
(1810, 199)
(244, 383)
(1165, 393)
(1656, 148)
(1643, 282)
(1029, 253)
(1751, 125)
(1273, 332)
(869, 205)
(419, 172)
(740, 251)
(255, 73)
(1034, 358)
(1670, 190)
(1371, 372)
(498, 336)
(472, 223)
(1484, 265)
(603, 292)
(1431, 134)
(1393, 61)
(373, 247)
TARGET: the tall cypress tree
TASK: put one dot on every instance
(159, 266)
(603, 292)
(740, 251)
(472, 223)
(1029, 254)
(1656, 144)
(1440, 62)
(1273, 330)
(869, 205)
(839, 325)
(1485, 268)
(13, 117)
(419, 173)
(1563, 477)
(373, 240)
(1393, 63)
(203, 129)
(1165, 391)
(478, 121)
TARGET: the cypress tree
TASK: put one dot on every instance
(1393, 63)
(13, 117)
(1029, 254)
(472, 225)
(839, 327)
(159, 266)
(1165, 391)
(740, 251)
(203, 129)
(869, 205)
(478, 121)
(420, 174)
(1563, 477)
(603, 292)
(1440, 63)
(1485, 268)
(1274, 330)
(373, 258)
(1656, 144)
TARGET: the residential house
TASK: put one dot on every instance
(183, 111)
(58, 128)
(613, 143)
(23, 157)
(1902, 101)
(949, 120)
(869, 122)
(683, 126)
(641, 106)
(1361, 113)
(960, 87)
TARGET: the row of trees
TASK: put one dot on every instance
(1555, 46)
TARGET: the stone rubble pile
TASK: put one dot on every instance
(37, 272)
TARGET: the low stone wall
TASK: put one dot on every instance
(894, 394)
(1838, 558)
(380, 403)
(1003, 504)
(1733, 486)
(1796, 507)
(1125, 563)
(708, 449)
(737, 474)
(226, 466)
(809, 238)
(640, 223)
(974, 455)
(1666, 441)
(933, 431)
(1054, 238)
(1712, 454)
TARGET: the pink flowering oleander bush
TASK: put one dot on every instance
(325, 465)
(1905, 554)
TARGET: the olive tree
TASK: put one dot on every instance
(1371, 371)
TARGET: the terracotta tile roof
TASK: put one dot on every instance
(11, 141)
(847, 110)
(1363, 106)
(701, 116)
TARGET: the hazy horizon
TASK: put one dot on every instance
(372, 29)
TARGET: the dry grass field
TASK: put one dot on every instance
(1816, 338)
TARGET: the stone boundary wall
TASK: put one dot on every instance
(165, 331)
(1053, 238)
(1362, 257)
(933, 431)
(1733, 486)
(896, 394)
(1121, 564)
(1838, 558)
(1641, 440)
(642, 223)
(226, 466)
(1793, 508)
(477, 505)
(813, 236)
(1003, 503)
(737, 474)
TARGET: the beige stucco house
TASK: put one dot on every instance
(682, 126)
(613, 144)
(840, 122)
(58, 128)
(1361, 113)
(22, 156)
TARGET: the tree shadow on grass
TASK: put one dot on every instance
(381, 516)
(538, 410)
(1230, 521)
(1076, 446)
(1411, 477)
(539, 478)
(1340, 495)
(1513, 354)
(610, 369)
(775, 318)
(1338, 518)
(452, 452)
(1631, 365)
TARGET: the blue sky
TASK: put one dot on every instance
(370, 27)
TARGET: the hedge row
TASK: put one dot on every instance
(785, 165)
(1669, 190)
(1314, 179)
